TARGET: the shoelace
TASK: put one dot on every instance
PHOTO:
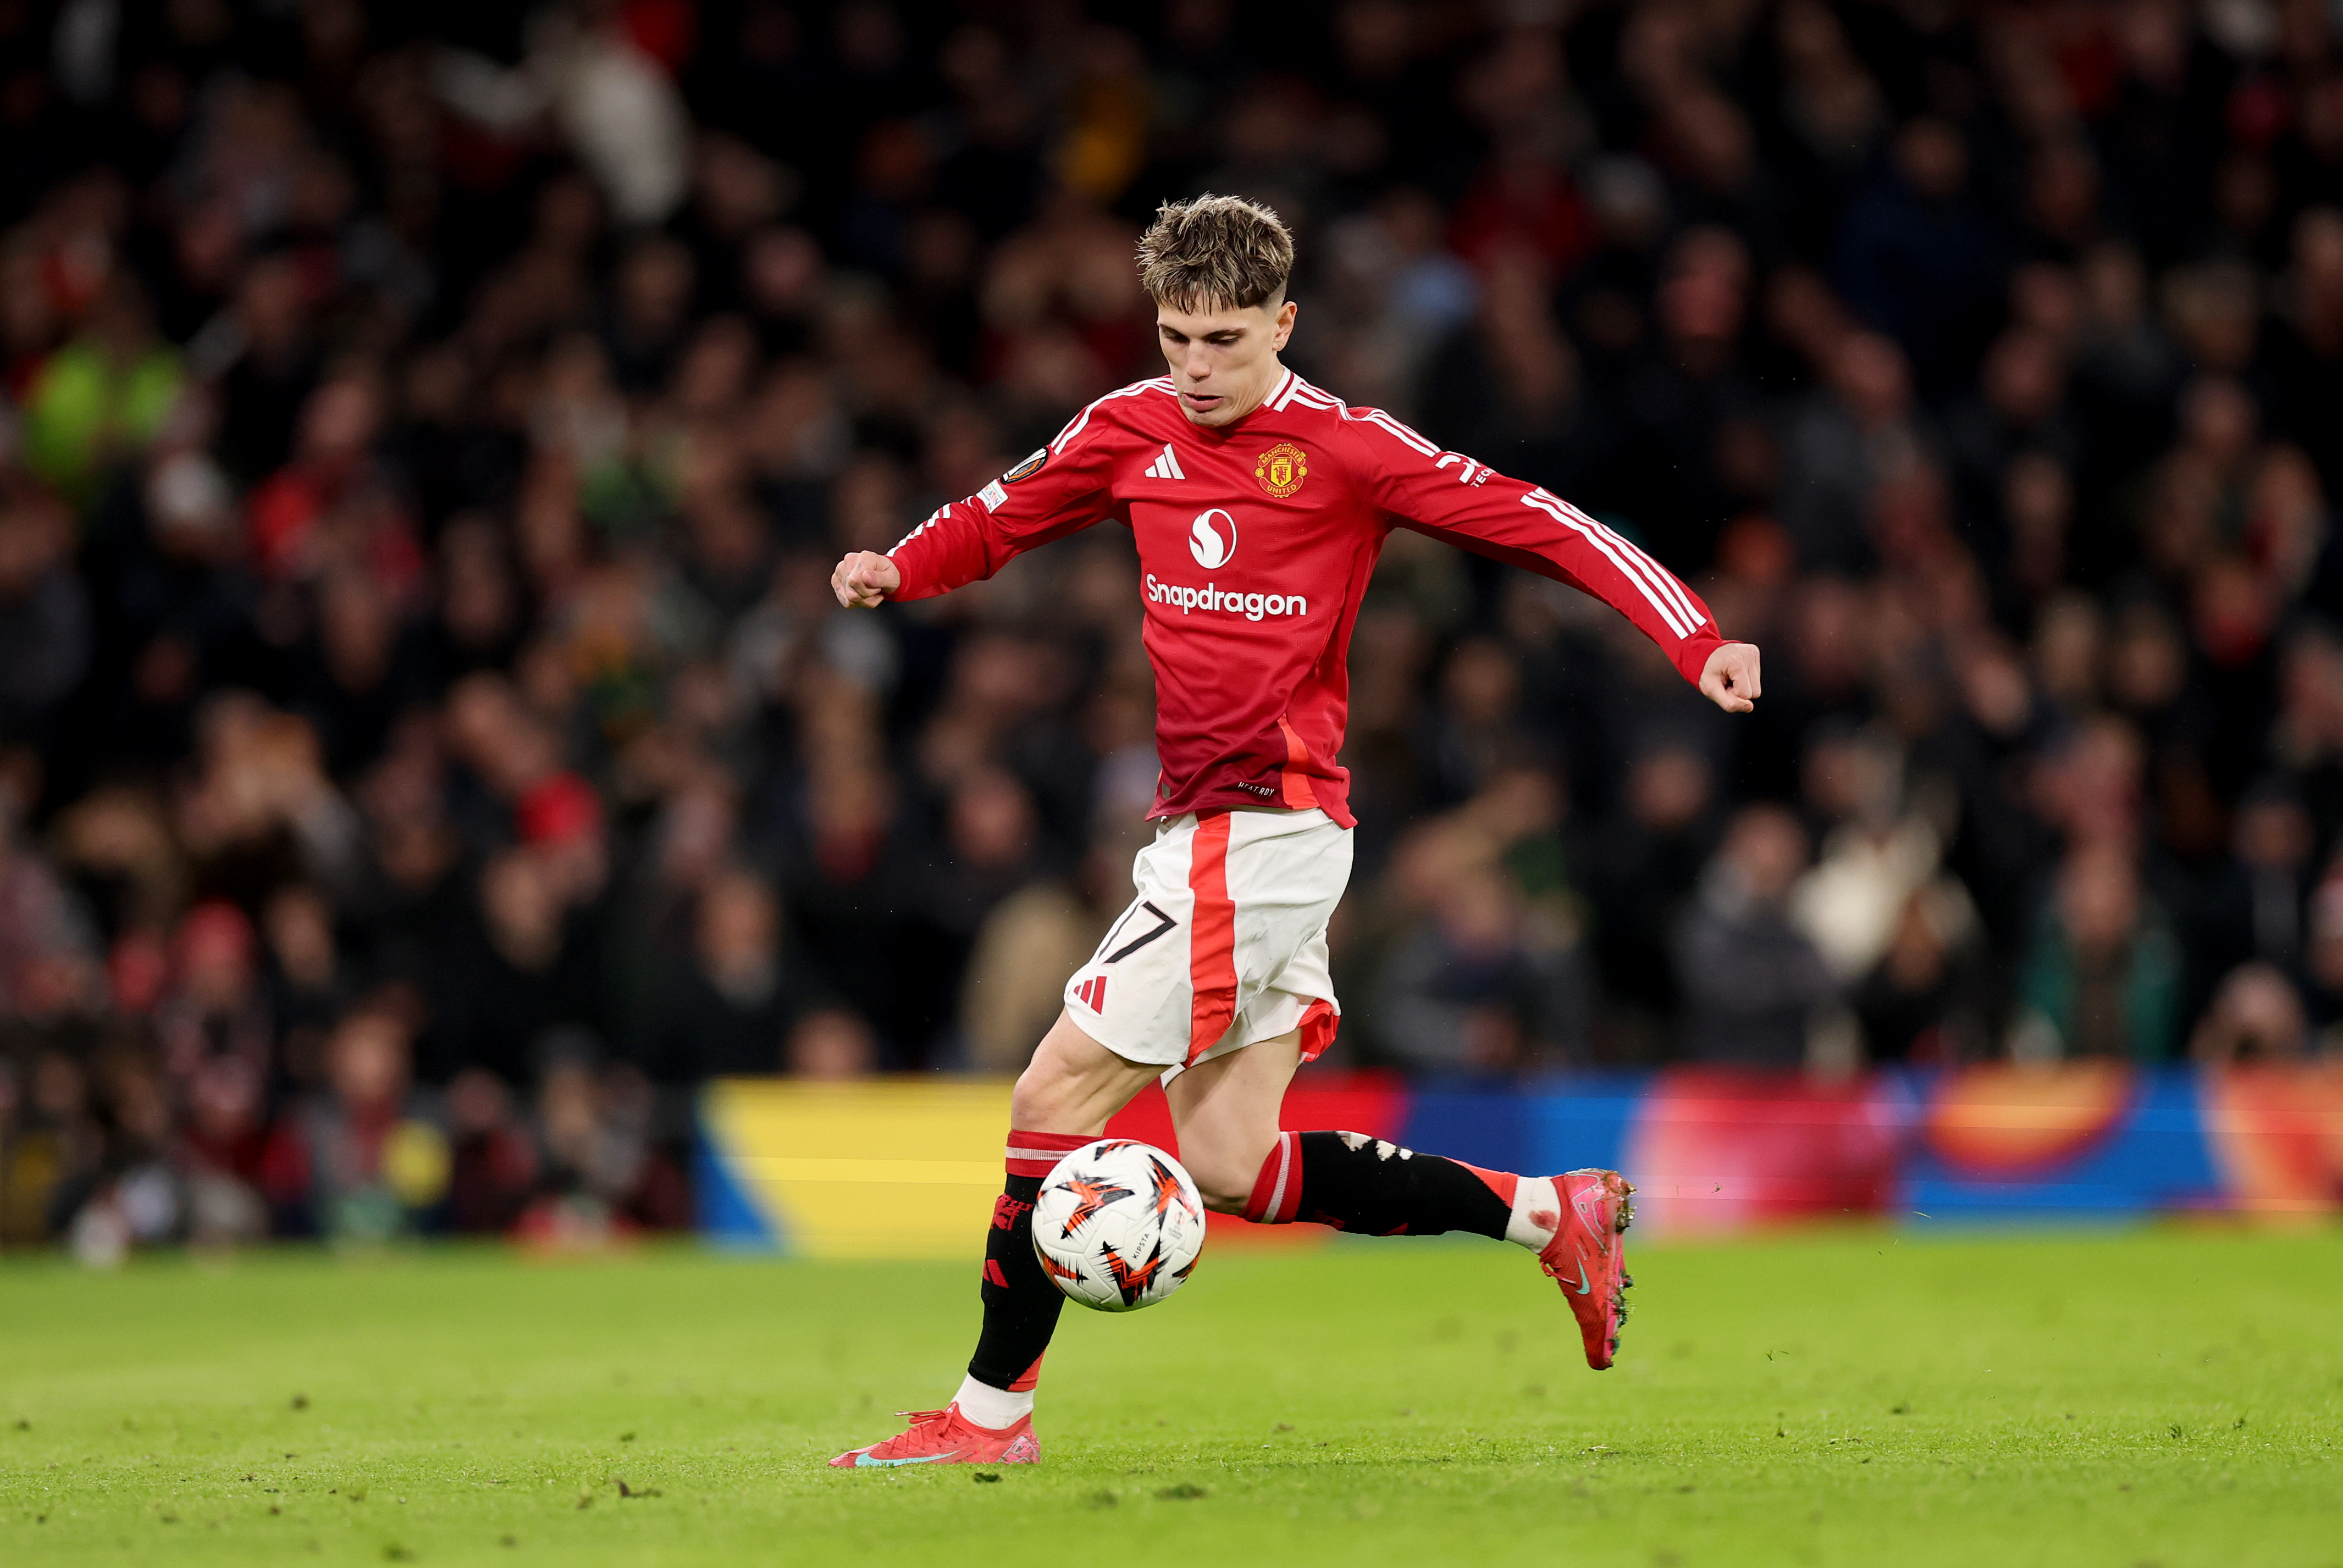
(927, 1431)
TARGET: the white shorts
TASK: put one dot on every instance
(1225, 944)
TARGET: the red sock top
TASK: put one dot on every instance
(1503, 1183)
(1036, 1153)
(1277, 1190)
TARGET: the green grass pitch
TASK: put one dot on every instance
(1855, 1398)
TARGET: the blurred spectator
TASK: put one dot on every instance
(602, 1178)
(46, 635)
(854, 896)
(2255, 1017)
(360, 1160)
(258, 807)
(518, 971)
(1478, 987)
(1486, 973)
(47, 949)
(994, 843)
(224, 1154)
(1896, 930)
(1916, 256)
(728, 1007)
(134, 1197)
(1640, 870)
(1852, 432)
(53, 1148)
(327, 509)
(1692, 404)
(1926, 1000)
(309, 984)
(2103, 975)
(1512, 374)
(2323, 965)
(99, 400)
(1875, 851)
(1756, 993)
(492, 1162)
(214, 1006)
(2262, 903)
(1476, 727)
(830, 1045)
(1028, 943)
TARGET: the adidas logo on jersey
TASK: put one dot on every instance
(1166, 467)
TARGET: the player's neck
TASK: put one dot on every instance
(1244, 406)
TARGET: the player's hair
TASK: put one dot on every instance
(1215, 251)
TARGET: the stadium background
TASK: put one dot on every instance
(428, 752)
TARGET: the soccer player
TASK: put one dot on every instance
(1259, 504)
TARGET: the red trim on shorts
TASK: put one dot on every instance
(1038, 1153)
(1277, 1190)
(1319, 1021)
(1299, 795)
(1212, 937)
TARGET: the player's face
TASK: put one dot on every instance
(1223, 361)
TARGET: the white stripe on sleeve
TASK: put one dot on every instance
(1667, 581)
(1665, 605)
(1377, 416)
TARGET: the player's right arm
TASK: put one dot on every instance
(1060, 489)
(864, 579)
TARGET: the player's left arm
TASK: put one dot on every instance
(1460, 499)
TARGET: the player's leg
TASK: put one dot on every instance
(1226, 1112)
(1062, 1101)
(1130, 1012)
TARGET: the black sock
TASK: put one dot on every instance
(1021, 1304)
(1354, 1182)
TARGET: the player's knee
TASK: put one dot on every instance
(1038, 1103)
(1049, 1092)
(1219, 1202)
(1225, 1169)
(1073, 1084)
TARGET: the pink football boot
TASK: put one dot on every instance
(946, 1437)
(1588, 1260)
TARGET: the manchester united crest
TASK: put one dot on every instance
(1281, 469)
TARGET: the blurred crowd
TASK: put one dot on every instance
(428, 746)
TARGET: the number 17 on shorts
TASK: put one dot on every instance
(1225, 943)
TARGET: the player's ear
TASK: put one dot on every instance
(1284, 320)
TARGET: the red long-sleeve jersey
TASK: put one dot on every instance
(1256, 540)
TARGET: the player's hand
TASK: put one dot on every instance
(1731, 679)
(864, 578)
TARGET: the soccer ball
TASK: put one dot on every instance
(1119, 1225)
